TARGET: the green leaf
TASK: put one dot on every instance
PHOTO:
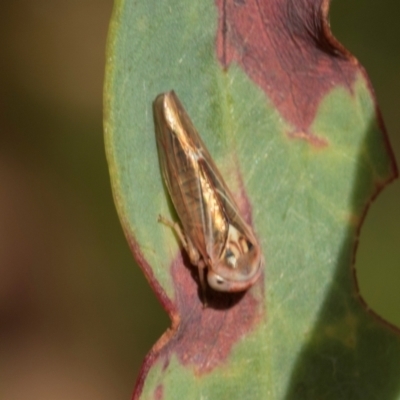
(289, 117)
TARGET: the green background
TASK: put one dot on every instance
(73, 303)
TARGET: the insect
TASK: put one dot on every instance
(212, 231)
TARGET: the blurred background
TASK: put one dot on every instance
(76, 314)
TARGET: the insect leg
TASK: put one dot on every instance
(201, 266)
(175, 226)
(191, 250)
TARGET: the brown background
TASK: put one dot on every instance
(76, 314)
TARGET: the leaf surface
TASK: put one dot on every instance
(290, 119)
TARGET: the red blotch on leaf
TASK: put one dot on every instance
(287, 49)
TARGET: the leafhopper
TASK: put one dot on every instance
(214, 234)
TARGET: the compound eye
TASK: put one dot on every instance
(216, 282)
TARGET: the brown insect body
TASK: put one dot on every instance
(214, 235)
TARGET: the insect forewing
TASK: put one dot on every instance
(179, 154)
